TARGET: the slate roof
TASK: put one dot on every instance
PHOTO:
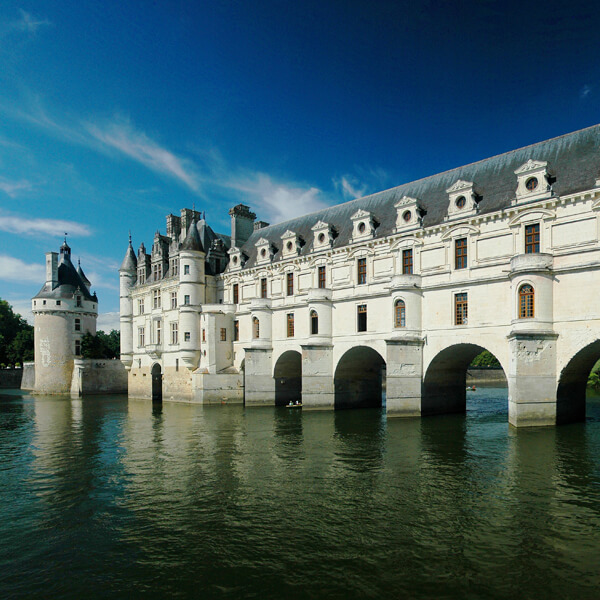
(130, 261)
(200, 236)
(573, 159)
(69, 281)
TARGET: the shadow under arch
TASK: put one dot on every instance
(358, 379)
(445, 382)
(156, 383)
(572, 384)
(288, 378)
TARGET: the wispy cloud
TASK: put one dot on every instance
(29, 23)
(365, 181)
(585, 91)
(108, 321)
(123, 137)
(15, 270)
(350, 187)
(99, 281)
(51, 227)
(13, 187)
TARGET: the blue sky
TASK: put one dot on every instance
(113, 115)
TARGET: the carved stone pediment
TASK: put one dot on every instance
(462, 200)
(533, 182)
(291, 244)
(408, 214)
(363, 225)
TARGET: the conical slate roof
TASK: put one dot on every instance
(130, 261)
(82, 274)
(192, 239)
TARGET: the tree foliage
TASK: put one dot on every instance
(16, 336)
(486, 359)
(101, 345)
(594, 378)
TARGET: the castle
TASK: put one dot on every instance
(65, 310)
(392, 294)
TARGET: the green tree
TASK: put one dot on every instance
(101, 345)
(486, 359)
(594, 377)
(16, 336)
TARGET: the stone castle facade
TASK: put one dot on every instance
(394, 292)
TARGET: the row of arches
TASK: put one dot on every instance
(360, 380)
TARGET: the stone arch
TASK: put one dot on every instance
(445, 381)
(156, 382)
(572, 384)
(358, 379)
(288, 378)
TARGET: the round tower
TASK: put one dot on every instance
(64, 310)
(127, 279)
(192, 295)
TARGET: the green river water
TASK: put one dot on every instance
(105, 498)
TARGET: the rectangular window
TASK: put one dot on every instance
(141, 337)
(461, 309)
(186, 269)
(407, 261)
(157, 271)
(236, 293)
(236, 331)
(532, 239)
(361, 324)
(142, 276)
(290, 284)
(460, 253)
(186, 336)
(58, 303)
(77, 347)
(78, 300)
(174, 333)
(140, 307)
(158, 332)
(156, 299)
(173, 299)
(263, 287)
(322, 281)
(174, 267)
(204, 335)
(186, 300)
(77, 324)
(223, 334)
(290, 325)
(362, 271)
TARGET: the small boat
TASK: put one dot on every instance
(296, 405)
(471, 388)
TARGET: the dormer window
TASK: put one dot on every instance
(291, 244)
(408, 214)
(323, 236)
(533, 181)
(363, 225)
(462, 200)
(237, 259)
(264, 250)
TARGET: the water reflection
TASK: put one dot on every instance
(105, 497)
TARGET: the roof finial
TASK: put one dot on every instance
(78, 261)
(130, 237)
(66, 234)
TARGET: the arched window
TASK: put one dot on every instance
(314, 322)
(399, 314)
(526, 302)
(255, 327)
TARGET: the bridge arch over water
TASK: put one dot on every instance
(358, 379)
(288, 378)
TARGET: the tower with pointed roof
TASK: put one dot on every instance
(127, 277)
(64, 310)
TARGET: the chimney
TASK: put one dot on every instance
(242, 224)
(52, 269)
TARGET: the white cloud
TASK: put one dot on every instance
(12, 187)
(99, 281)
(29, 23)
(585, 91)
(278, 200)
(108, 321)
(350, 187)
(15, 270)
(365, 182)
(53, 227)
(121, 136)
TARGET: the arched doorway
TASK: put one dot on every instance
(572, 384)
(445, 383)
(288, 378)
(156, 383)
(358, 380)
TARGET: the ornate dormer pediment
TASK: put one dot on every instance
(533, 181)
(264, 251)
(323, 235)
(363, 227)
(237, 259)
(291, 244)
(408, 214)
(462, 199)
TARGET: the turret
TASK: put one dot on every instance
(127, 278)
(192, 294)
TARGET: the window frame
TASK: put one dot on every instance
(290, 284)
(361, 322)
(407, 261)
(526, 306)
(314, 322)
(255, 328)
(460, 253)
(399, 313)
(235, 293)
(461, 308)
(361, 270)
(321, 277)
(290, 325)
(263, 287)
(532, 238)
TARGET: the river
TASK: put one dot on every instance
(105, 498)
